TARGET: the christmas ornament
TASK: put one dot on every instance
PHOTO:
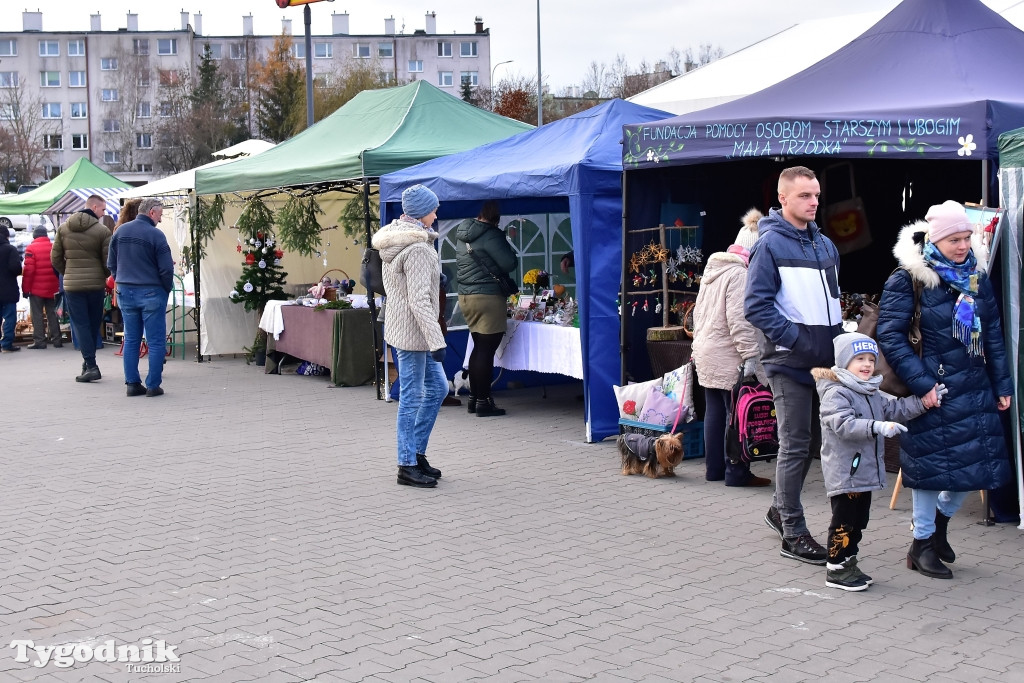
(233, 294)
(250, 259)
(238, 248)
(277, 262)
(278, 253)
(262, 264)
(247, 287)
(258, 244)
(264, 250)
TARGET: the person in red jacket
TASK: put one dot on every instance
(40, 285)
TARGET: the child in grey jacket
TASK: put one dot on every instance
(855, 417)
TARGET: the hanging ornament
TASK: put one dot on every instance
(278, 254)
(277, 262)
(233, 294)
(247, 287)
(657, 306)
(634, 308)
(328, 244)
(238, 248)
(259, 235)
(646, 306)
(264, 250)
(636, 280)
(270, 241)
(252, 240)
(250, 259)
(262, 264)
(325, 263)
(258, 244)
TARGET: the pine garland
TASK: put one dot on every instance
(298, 227)
(206, 220)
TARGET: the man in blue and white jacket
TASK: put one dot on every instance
(793, 297)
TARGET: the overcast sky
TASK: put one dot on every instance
(574, 33)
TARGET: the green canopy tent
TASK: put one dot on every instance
(1011, 190)
(376, 132)
(81, 174)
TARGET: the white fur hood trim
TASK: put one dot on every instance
(908, 253)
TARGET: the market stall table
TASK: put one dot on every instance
(539, 347)
(340, 340)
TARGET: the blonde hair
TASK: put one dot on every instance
(790, 174)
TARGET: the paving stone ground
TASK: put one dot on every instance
(254, 523)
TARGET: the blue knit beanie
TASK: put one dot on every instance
(418, 201)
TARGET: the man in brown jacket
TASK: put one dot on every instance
(80, 255)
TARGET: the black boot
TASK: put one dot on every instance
(942, 548)
(412, 476)
(90, 373)
(425, 468)
(923, 558)
(471, 404)
(485, 408)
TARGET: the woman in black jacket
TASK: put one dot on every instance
(959, 446)
(480, 298)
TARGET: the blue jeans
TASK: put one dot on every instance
(86, 312)
(796, 407)
(143, 307)
(925, 504)
(9, 313)
(422, 387)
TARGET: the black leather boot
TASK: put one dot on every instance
(90, 373)
(411, 475)
(923, 558)
(471, 404)
(485, 408)
(425, 468)
(942, 548)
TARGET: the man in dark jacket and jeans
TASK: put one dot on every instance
(10, 269)
(793, 297)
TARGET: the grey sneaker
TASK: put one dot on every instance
(774, 520)
(846, 577)
(805, 549)
(852, 564)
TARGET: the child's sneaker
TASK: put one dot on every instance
(852, 563)
(844, 577)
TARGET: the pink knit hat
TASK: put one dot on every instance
(945, 219)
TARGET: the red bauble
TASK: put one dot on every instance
(278, 253)
(238, 248)
(259, 235)
(250, 259)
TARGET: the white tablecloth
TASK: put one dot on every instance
(539, 347)
(272, 321)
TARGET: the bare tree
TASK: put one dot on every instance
(595, 80)
(128, 109)
(22, 135)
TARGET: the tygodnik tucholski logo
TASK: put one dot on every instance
(146, 656)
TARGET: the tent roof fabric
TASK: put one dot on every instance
(81, 174)
(180, 184)
(932, 79)
(757, 66)
(245, 148)
(376, 132)
(1011, 148)
(74, 200)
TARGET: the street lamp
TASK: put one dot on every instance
(507, 61)
(540, 89)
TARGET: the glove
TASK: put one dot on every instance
(751, 368)
(940, 391)
(438, 354)
(888, 429)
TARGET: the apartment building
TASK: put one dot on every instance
(100, 94)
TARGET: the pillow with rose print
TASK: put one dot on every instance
(631, 397)
(678, 385)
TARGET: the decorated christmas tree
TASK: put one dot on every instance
(262, 277)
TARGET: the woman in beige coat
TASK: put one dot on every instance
(723, 341)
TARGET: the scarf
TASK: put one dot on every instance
(963, 278)
(851, 381)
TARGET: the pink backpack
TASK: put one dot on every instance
(752, 432)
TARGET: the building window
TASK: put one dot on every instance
(216, 50)
(386, 50)
(323, 50)
(51, 110)
(76, 79)
(386, 77)
(167, 46)
(166, 109)
(108, 64)
(299, 50)
(168, 78)
(467, 48)
(76, 48)
(445, 79)
(52, 171)
(144, 168)
(140, 46)
(79, 141)
(49, 48)
(144, 110)
(322, 80)
(8, 111)
(444, 49)
(145, 78)
(111, 157)
(237, 50)
(79, 110)
(8, 47)
(53, 141)
(49, 79)
(238, 81)
(109, 95)
(8, 79)
(362, 50)
(471, 77)
(144, 141)
(415, 66)
(111, 126)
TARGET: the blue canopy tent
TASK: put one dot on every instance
(910, 111)
(569, 166)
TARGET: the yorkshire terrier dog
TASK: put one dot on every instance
(652, 456)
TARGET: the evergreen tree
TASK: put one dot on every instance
(262, 276)
(281, 86)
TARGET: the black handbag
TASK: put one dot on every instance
(371, 271)
(506, 285)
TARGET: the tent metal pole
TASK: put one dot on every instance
(193, 207)
(309, 68)
(369, 295)
(622, 283)
(984, 182)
